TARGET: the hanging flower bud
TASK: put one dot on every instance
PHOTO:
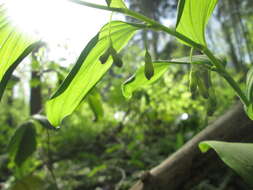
(202, 88)
(193, 81)
(104, 57)
(212, 103)
(149, 68)
(116, 58)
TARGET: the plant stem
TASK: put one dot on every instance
(157, 26)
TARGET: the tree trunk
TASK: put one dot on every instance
(188, 166)
(35, 87)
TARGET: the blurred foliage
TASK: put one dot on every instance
(133, 135)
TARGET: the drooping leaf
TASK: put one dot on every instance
(139, 80)
(14, 47)
(23, 143)
(238, 156)
(116, 3)
(30, 182)
(95, 103)
(88, 70)
(193, 16)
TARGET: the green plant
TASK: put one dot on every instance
(102, 51)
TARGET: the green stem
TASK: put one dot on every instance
(157, 26)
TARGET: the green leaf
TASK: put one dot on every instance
(193, 16)
(139, 80)
(22, 144)
(95, 103)
(29, 183)
(116, 3)
(180, 8)
(14, 47)
(238, 156)
(88, 70)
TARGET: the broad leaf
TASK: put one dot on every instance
(238, 156)
(116, 3)
(193, 16)
(22, 143)
(139, 80)
(14, 47)
(88, 70)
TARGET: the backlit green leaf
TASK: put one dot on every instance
(88, 70)
(139, 80)
(116, 3)
(193, 16)
(238, 156)
(22, 143)
(14, 47)
(180, 9)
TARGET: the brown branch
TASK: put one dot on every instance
(188, 165)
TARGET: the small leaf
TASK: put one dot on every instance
(88, 70)
(193, 16)
(22, 144)
(116, 3)
(140, 80)
(149, 68)
(238, 156)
